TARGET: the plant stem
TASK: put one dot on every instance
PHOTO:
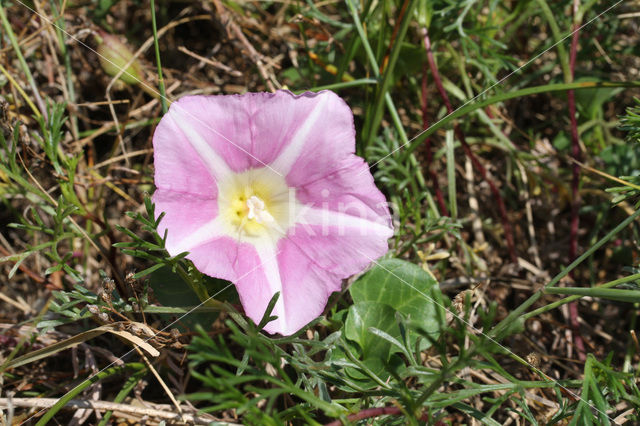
(518, 313)
(570, 299)
(470, 107)
(557, 36)
(136, 366)
(506, 224)
(163, 94)
(429, 152)
(371, 130)
(387, 97)
(23, 62)
(575, 179)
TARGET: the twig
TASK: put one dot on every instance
(506, 224)
(213, 63)
(254, 55)
(162, 383)
(75, 404)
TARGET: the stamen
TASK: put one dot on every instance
(257, 210)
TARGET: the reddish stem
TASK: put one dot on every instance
(34, 276)
(575, 183)
(394, 34)
(425, 124)
(506, 224)
(368, 413)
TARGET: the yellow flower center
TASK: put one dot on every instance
(255, 204)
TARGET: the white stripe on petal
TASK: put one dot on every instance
(207, 232)
(330, 218)
(268, 256)
(291, 152)
(212, 160)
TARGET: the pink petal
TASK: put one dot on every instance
(345, 249)
(229, 126)
(316, 133)
(184, 214)
(178, 167)
(304, 287)
(225, 258)
(345, 222)
(349, 190)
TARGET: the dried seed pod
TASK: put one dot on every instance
(175, 333)
(108, 284)
(533, 359)
(459, 300)
(93, 309)
(104, 295)
(115, 55)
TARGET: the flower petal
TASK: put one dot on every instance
(184, 215)
(183, 119)
(316, 131)
(219, 129)
(263, 284)
(313, 117)
(344, 222)
(178, 166)
(349, 190)
(341, 250)
(304, 287)
(224, 258)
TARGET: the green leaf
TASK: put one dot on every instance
(406, 288)
(364, 315)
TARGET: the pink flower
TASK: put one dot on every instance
(265, 190)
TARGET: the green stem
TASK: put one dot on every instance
(395, 117)
(60, 33)
(547, 88)
(517, 313)
(383, 89)
(136, 366)
(569, 299)
(618, 294)
(126, 389)
(363, 37)
(163, 94)
(341, 85)
(557, 36)
(23, 62)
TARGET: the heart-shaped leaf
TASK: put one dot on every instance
(364, 315)
(406, 288)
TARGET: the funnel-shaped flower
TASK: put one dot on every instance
(265, 190)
